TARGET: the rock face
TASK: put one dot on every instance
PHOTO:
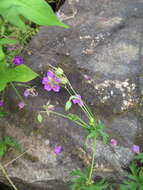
(102, 55)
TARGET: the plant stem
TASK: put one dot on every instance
(16, 91)
(92, 164)
(64, 116)
(6, 175)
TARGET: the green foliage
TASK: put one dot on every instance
(39, 118)
(3, 113)
(21, 73)
(80, 181)
(135, 179)
(139, 157)
(7, 143)
(68, 105)
(97, 130)
(4, 41)
(37, 11)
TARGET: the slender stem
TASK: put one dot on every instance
(6, 175)
(16, 91)
(16, 158)
(64, 116)
(92, 164)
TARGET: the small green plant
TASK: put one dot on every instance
(80, 181)
(94, 128)
(135, 179)
(139, 157)
(20, 14)
(7, 143)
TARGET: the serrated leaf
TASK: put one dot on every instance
(40, 118)
(92, 135)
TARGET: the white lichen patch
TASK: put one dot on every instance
(125, 89)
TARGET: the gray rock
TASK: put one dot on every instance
(102, 56)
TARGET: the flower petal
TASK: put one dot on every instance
(45, 80)
(47, 87)
(58, 149)
(56, 88)
(75, 101)
(50, 74)
(136, 149)
(57, 80)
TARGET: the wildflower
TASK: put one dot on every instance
(31, 92)
(136, 149)
(21, 105)
(58, 149)
(18, 60)
(78, 100)
(26, 93)
(113, 142)
(51, 82)
(1, 103)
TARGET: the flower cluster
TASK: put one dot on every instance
(18, 60)
(51, 82)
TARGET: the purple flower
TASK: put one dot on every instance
(21, 105)
(26, 93)
(113, 142)
(58, 149)
(51, 82)
(1, 103)
(136, 149)
(78, 100)
(18, 60)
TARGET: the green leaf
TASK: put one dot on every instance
(2, 85)
(3, 148)
(7, 41)
(37, 11)
(40, 118)
(21, 73)
(2, 55)
(73, 117)
(139, 157)
(11, 142)
(93, 134)
(2, 113)
(68, 105)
